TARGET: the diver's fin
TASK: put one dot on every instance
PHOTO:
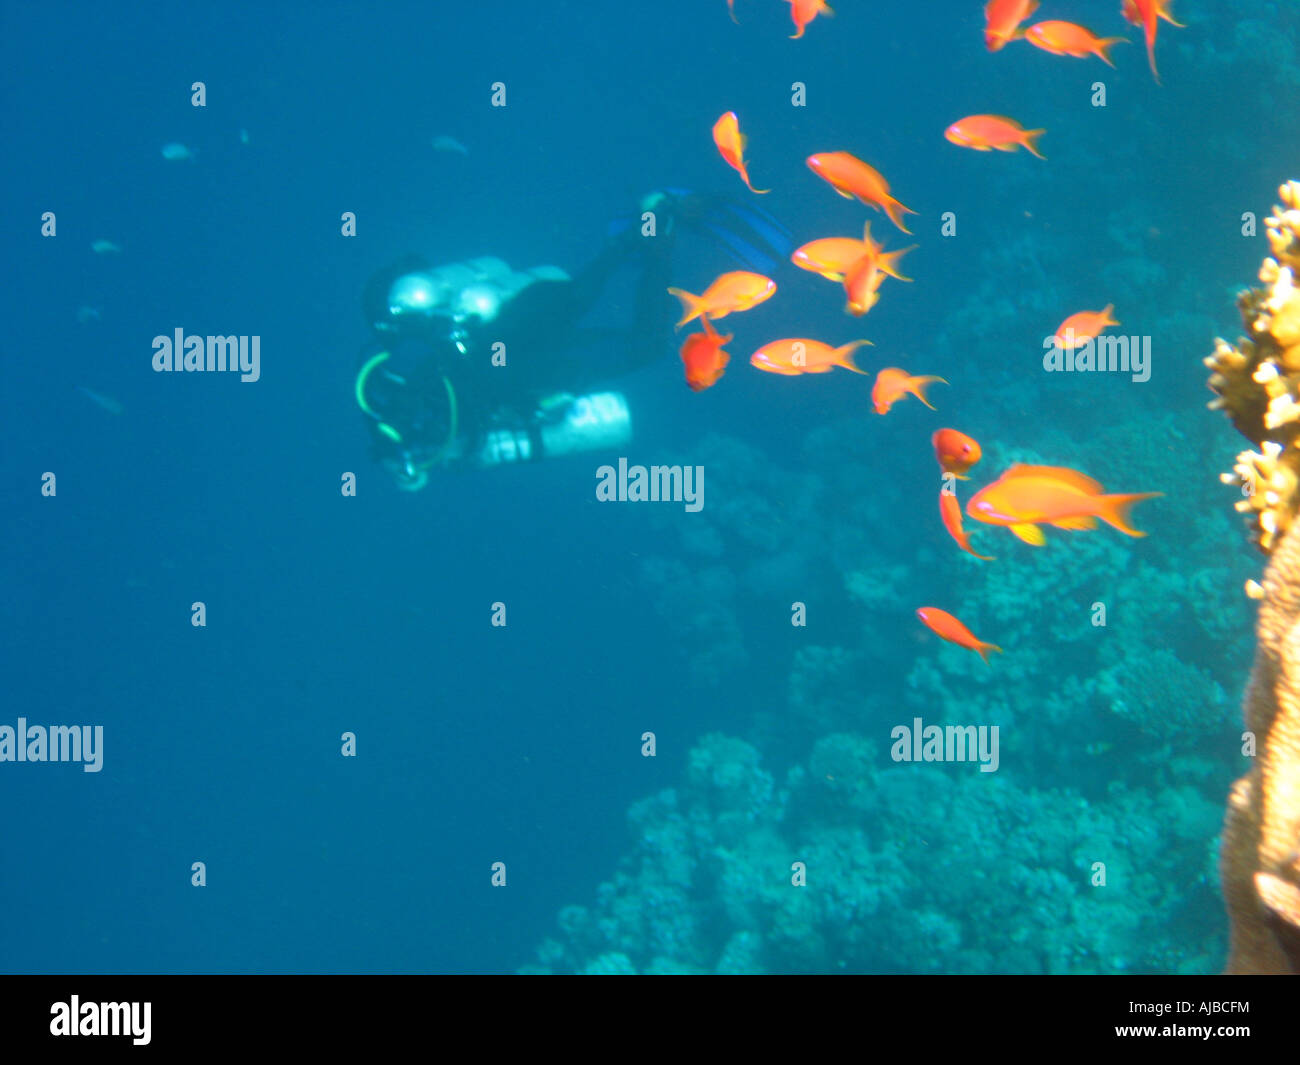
(750, 236)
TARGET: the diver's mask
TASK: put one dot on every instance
(468, 292)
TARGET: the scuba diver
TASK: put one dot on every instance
(474, 364)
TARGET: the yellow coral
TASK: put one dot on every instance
(1257, 380)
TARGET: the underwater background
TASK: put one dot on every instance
(479, 744)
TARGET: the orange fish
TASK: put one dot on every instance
(795, 356)
(955, 451)
(803, 12)
(892, 384)
(731, 7)
(854, 179)
(833, 257)
(861, 286)
(985, 132)
(947, 627)
(1001, 19)
(1079, 328)
(704, 358)
(1028, 496)
(863, 279)
(738, 290)
(950, 512)
(731, 146)
(1147, 13)
(1069, 38)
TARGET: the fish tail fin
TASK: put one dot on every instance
(692, 306)
(1031, 142)
(888, 262)
(920, 384)
(984, 648)
(1109, 314)
(1115, 510)
(1107, 42)
(895, 211)
(731, 6)
(1162, 11)
(750, 185)
(844, 355)
(1151, 56)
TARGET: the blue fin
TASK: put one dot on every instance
(750, 235)
(745, 254)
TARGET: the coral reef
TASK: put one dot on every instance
(1258, 384)
(1257, 380)
(908, 869)
(1261, 833)
(1106, 731)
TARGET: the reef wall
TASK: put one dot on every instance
(1258, 384)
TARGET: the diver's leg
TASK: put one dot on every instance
(652, 309)
(563, 304)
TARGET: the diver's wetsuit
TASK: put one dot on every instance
(546, 348)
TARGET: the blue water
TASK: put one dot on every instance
(521, 745)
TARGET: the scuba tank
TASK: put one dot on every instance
(587, 423)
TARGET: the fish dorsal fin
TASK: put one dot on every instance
(1073, 478)
(871, 245)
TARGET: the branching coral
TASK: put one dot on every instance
(1258, 382)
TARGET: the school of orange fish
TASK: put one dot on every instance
(1025, 497)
